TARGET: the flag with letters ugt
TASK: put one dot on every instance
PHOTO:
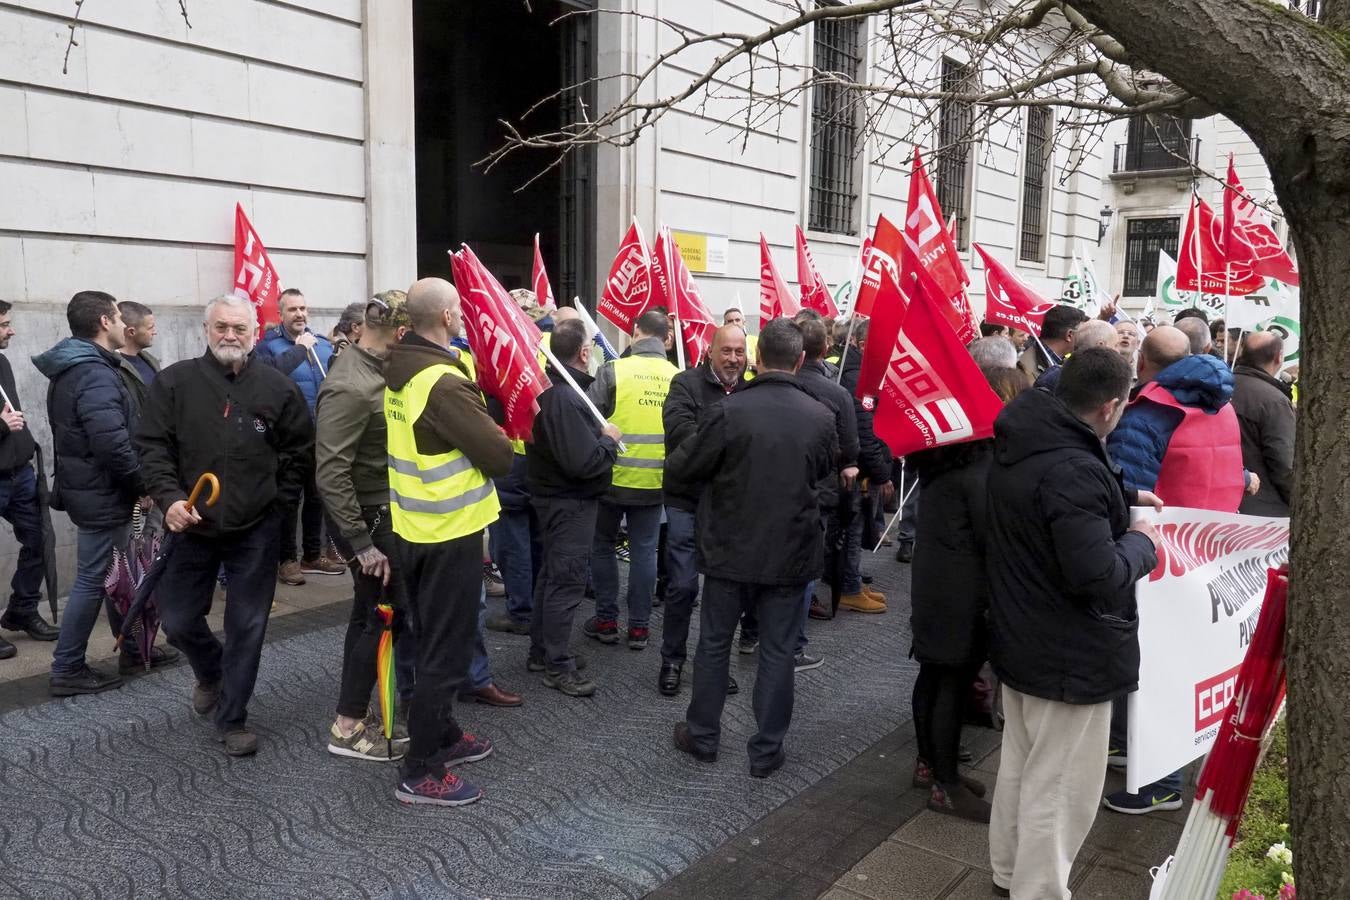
(1008, 300)
(932, 393)
(677, 292)
(776, 299)
(628, 289)
(815, 293)
(504, 342)
(255, 278)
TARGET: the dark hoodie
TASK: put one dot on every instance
(455, 417)
(1140, 441)
(1061, 561)
(874, 457)
(98, 475)
(567, 455)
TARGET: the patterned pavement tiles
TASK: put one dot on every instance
(126, 794)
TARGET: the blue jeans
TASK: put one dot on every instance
(681, 584)
(513, 543)
(1120, 728)
(807, 596)
(94, 548)
(644, 530)
(850, 578)
(480, 672)
(19, 507)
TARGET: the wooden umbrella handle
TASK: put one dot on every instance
(207, 478)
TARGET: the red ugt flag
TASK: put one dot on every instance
(932, 393)
(815, 295)
(543, 291)
(1201, 258)
(1248, 238)
(775, 297)
(1010, 301)
(931, 243)
(628, 289)
(683, 299)
(504, 343)
(255, 278)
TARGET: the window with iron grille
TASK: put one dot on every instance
(834, 127)
(1035, 184)
(955, 119)
(1158, 142)
(1143, 239)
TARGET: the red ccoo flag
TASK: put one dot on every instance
(931, 243)
(255, 278)
(543, 291)
(889, 304)
(932, 393)
(628, 289)
(775, 297)
(1201, 259)
(683, 299)
(815, 295)
(1247, 238)
(1010, 301)
(504, 343)
(883, 253)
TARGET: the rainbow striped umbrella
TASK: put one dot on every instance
(384, 671)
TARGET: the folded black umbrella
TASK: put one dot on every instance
(48, 536)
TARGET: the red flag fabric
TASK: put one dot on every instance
(696, 321)
(254, 275)
(775, 297)
(628, 289)
(889, 304)
(882, 254)
(815, 295)
(504, 342)
(1247, 237)
(543, 291)
(1010, 301)
(932, 393)
(1200, 258)
(930, 241)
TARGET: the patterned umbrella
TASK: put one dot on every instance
(384, 672)
(129, 568)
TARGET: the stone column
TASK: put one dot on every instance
(391, 177)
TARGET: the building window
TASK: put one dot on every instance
(834, 127)
(1143, 239)
(955, 121)
(1035, 184)
(1156, 143)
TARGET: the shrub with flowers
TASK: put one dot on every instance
(1262, 860)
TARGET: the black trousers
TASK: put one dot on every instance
(567, 529)
(184, 597)
(940, 694)
(444, 582)
(310, 512)
(780, 611)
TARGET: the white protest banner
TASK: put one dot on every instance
(1197, 613)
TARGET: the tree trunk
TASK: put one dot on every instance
(1286, 82)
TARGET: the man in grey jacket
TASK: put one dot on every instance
(1266, 418)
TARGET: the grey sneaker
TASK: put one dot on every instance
(805, 662)
(238, 741)
(363, 743)
(205, 697)
(570, 683)
(504, 623)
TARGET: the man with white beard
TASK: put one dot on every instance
(249, 425)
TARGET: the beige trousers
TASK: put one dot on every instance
(1050, 778)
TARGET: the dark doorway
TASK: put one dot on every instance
(475, 64)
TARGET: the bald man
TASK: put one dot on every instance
(444, 449)
(1197, 331)
(1092, 333)
(563, 314)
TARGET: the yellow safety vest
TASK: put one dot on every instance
(641, 384)
(432, 498)
(548, 342)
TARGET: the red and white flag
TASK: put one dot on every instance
(543, 291)
(1247, 239)
(932, 393)
(889, 305)
(255, 278)
(883, 253)
(776, 299)
(1010, 301)
(628, 289)
(815, 294)
(931, 243)
(1201, 263)
(696, 321)
(504, 342)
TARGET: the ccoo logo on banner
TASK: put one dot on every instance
(1197, 614)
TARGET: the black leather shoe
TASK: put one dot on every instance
(7, 650)
(669, 680)
(129, 663)
(34, 625)
(767, 768)
(732, 686)
(87, 681)
(685, 744)
(904, 552)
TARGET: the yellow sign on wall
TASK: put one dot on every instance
(703, 253)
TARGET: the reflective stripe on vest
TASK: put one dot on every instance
(437, 497)
(641, 384)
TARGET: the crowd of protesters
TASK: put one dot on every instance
(756, 469)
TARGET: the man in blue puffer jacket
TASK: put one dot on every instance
(296, 351)
(98, 475)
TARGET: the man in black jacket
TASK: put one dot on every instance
(98, 476)
(692, 392)
(19, 507)
(248, 424)
(761, 455)
(874, 463)
(1266, 417)
(1062, 562)
(568, 463)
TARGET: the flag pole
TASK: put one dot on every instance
(854, 287)
(679, 343)
(895, 518)
(314, 356)
(1227, 290)
(572, 382)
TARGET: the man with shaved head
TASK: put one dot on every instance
(1266, 416)
(444, 450)
(1179, 439)
(1197, 332)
